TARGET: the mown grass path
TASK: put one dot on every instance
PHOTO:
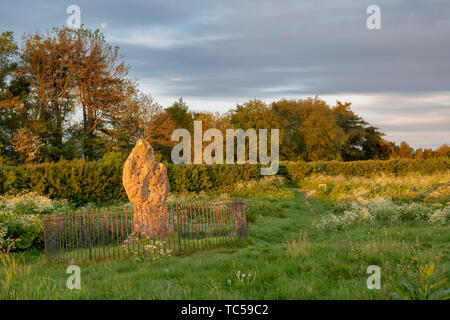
(308, 193)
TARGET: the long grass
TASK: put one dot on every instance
(411, 187)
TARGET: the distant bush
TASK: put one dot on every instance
(299, 170)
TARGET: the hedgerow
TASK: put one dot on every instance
(299, 170)
(82, 181)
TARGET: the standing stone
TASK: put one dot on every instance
(147, 185)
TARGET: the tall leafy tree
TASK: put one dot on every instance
(47, 62)
(374, 145)
(363, 141)
(180, 115)
(125, 122)
(309, 129)
(418, 154)
(290, 116)
(354, 128)
(159, 132)
(405, 150)
(254, 114)
(443, 151)
(98, 81)
(323, 138)
(428, 153)
(13, 94)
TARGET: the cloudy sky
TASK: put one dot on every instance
(215, 53)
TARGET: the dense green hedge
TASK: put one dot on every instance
(298, 170)
(81, 181)
(76, 180)
(201, 177)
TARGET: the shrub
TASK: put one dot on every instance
(31, 203)
(24, 230)
(343, 215)
(21, 219)
(296, 171)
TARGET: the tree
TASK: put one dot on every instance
(322, 137)
(427, 153)
(129, 120)
(13, 92)
(212, 120)
(289, 117)
(354, 128)
(443, 151)
(53, 76)
(363, 141)
(418, 154)
(374, 146)
(8, 54)
(405, 150)
(159, 133)
(254, 114)
(309, 129)
(47, 62)
(179, 113)
(98, 79)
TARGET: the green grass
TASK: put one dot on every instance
(174, 246)
(314, 266)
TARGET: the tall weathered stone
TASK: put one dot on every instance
(147, 185)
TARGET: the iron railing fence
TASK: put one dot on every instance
(108, 233)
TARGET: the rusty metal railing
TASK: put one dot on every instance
(110, 233)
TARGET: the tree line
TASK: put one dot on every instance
(67, 94)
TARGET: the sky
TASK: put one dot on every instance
(216, 54)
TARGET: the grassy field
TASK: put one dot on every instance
(285, 257)
(154, 249)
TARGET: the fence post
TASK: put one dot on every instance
(46, 247)
(241, 219)
(88, 231)
(178, 225)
